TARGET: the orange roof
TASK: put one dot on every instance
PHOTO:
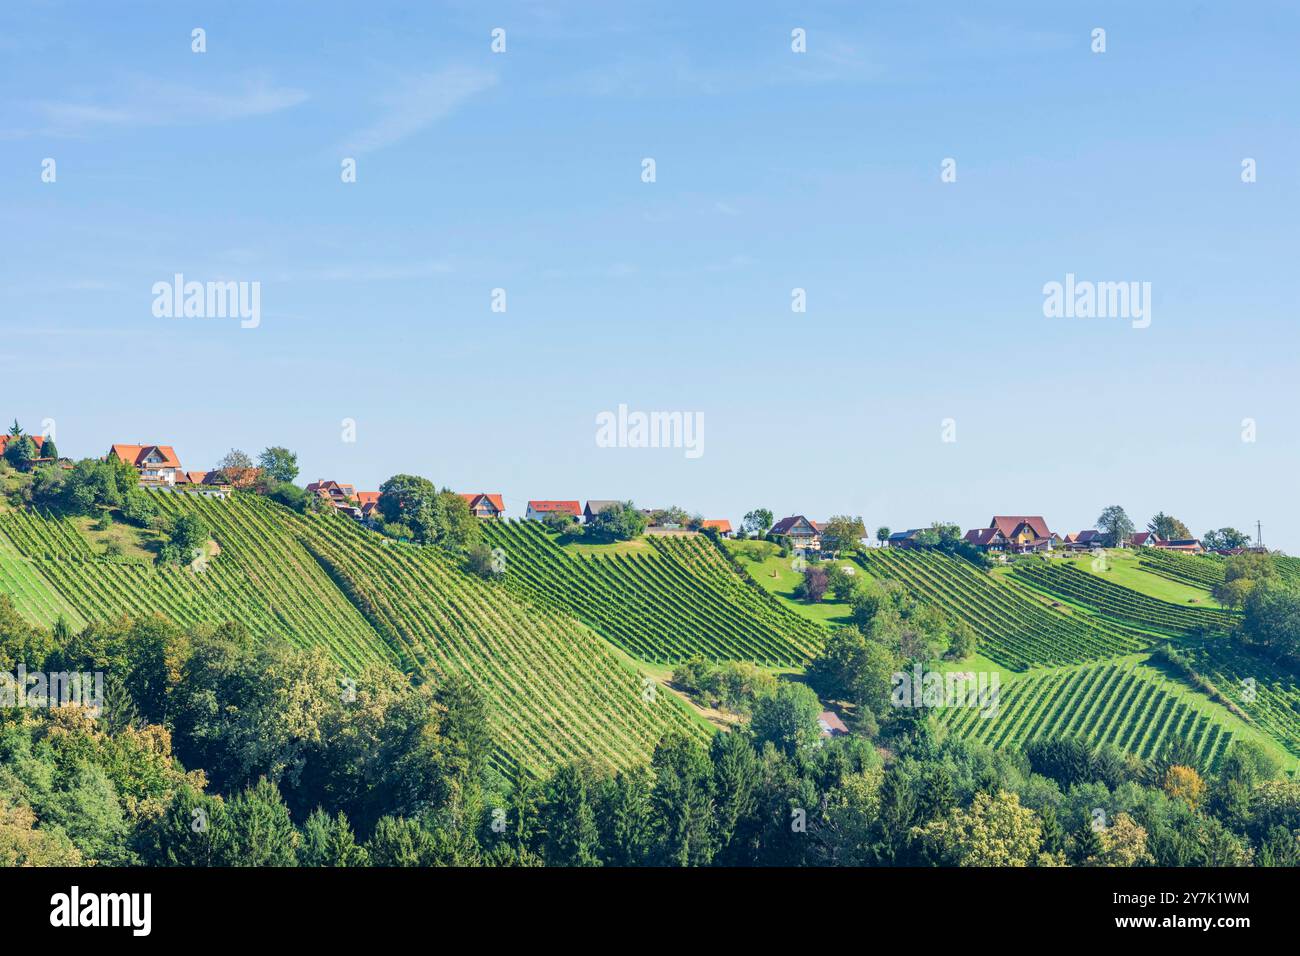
(474, 499)
(38, 440)
(568, 507)
(721, 524)
(367, 498)
(135, 455)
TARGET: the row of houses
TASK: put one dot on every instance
(1027, 534)
(159, 465)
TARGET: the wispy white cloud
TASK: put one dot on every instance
(418, 102)
(151, 102)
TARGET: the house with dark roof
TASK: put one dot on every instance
(1086, 540)
(537, 510)
(341, 496)
(157, 464)
(483, 505)
(1144, 539)
(1186, 545)
(907, 540)
(1023, 533)
(595, 506)
(803, 534)
(989, 540)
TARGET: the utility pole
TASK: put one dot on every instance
(1259, 535)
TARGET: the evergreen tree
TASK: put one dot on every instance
(735, 779)
(329, 841)
(683, 802)
(628, 813)
(572, 838)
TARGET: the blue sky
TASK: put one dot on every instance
(774, 170)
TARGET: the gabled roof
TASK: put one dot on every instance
(136, 455)
(37, 440)
(596, 506)
(1091, 536)
(563, 507)
(785, 524)
(718, 524)
(474, 499)
(982, 537)
(1008, 524)
(334, 489)
(903, 535)
(1144, 537)
(367, 498)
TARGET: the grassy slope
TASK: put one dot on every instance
(1121, 567)
(776, 577)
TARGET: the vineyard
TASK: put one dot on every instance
(1116, 603)
(1014, 630)
(555, 690)
(1202, 571)
(1267, 692)
(682, 600)
(558, 692)
(1127, 705)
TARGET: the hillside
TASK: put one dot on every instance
(569, 643)
(1014, 630)
(665, 603)
(555, 689)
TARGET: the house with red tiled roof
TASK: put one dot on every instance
(483, 505)
(720, 525)
(1144, 539)
(5, 438)
(37, 440)
(157, 464)
(537, 510)
(1023, 533)
(368, 502)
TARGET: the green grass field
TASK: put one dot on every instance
(1122, 567)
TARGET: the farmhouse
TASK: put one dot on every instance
(595, 507)
(1086, 540)
(537, 510)
(157, 464)
(484, 505)
(338, 494)
(720, 525)
(907, 540)
(1186, 545)
(1144, 539)
(37, 440)
(367, 503)
(989, 540)
(803, 533)
(1023, 533)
